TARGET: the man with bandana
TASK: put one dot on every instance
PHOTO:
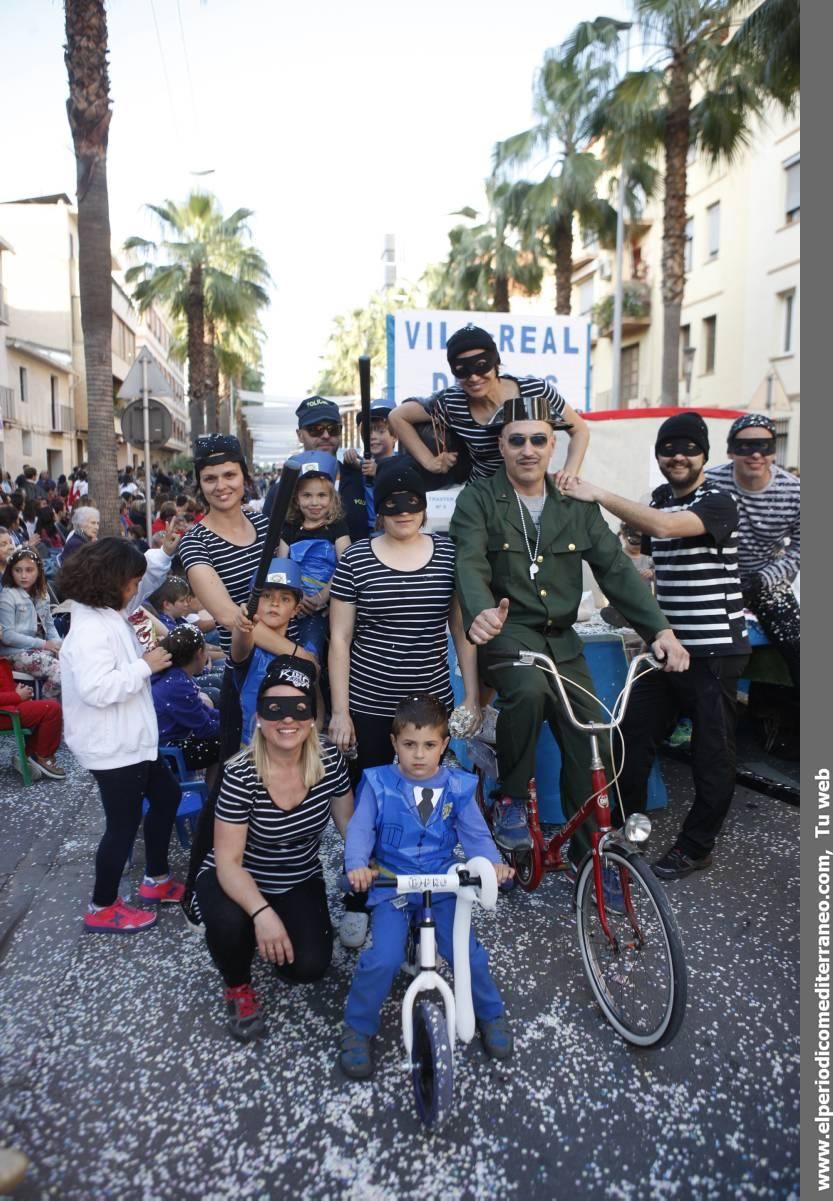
(768, 499)
(520, 548)
(691, 528)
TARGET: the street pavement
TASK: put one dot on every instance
(120, 1082)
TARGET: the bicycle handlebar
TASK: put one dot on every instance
(546, 664)
(422, 882)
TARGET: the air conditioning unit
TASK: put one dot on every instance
(605, 269)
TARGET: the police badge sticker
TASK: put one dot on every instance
(447, 807)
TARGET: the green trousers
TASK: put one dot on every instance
(527, 698)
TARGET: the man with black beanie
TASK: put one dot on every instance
(691, 530)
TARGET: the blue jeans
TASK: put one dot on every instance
(378, 965)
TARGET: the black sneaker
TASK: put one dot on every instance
(356, 1055)
(675, 864)
(496, 1036)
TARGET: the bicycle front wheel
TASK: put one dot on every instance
(432, 1065)
(639, 980)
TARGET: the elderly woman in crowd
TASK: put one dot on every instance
(262, 885)
(472, 410)
(85, 525)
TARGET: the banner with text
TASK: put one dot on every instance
(554, 348)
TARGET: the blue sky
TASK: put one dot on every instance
(337, 122)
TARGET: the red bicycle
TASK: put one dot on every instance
(627, 934)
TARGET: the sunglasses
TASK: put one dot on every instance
(752, 446)
(519, 440)
(678, 446)
(275, 708)
(481, 365)
(323, 427)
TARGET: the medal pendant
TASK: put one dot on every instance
(533, 570)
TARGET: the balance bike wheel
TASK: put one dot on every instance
(529, 867)
(432, 1065)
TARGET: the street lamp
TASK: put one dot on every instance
(616, 389)
(688, 368)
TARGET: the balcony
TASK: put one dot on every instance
(4, 308)
(7, 405)
(636, 310)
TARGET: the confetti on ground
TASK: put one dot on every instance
(120, 1082)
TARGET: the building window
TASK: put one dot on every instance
(630, 372)
(124, 340)
(585, 297)
(710, 342)
(26, 443)
(787, 300)
(685, 343)
(54, 402)
(24, 383)
(713, 218)
(589, 238)
(688, 247)
(792, 203)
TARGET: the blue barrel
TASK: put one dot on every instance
(608, 665)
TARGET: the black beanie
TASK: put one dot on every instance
(684, 425)
(470, 337)
(397, 479)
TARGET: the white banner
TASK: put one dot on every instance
(555, 348)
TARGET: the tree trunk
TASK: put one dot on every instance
(562, 240)
(212, 380)
(501, 294)
(673, 226)
(88, 109)
(195, 317)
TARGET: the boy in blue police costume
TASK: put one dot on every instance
(408, 819)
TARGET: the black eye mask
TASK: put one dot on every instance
(274, 708)
(402, 502)
(751, 446)
(678, 446)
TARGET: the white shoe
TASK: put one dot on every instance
(352, 929)
(34, 768)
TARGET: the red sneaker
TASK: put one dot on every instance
(119, 918)
(245, 1018)
(169, 892)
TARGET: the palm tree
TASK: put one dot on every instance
(658, 109)
(566, 94)
(486, 258)
(769, 41)
(89, 114)
(207, 274)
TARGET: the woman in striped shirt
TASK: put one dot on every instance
(472, 409)
(391, 599)
(262, 885)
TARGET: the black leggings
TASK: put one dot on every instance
(122, 791)
(230, 932)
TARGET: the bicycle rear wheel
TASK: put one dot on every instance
(432, 1065)
(640, 981)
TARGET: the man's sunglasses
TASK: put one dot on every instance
(481, 365)
(752, 446)
(322, 428)
(519, 440)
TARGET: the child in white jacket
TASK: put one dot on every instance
(110, 727)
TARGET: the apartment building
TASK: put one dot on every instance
(740, 323)
(43, 399)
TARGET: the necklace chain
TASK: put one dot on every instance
(533, 554)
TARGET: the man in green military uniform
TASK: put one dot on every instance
(520, 546)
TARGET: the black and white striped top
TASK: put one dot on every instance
(769, 524)
(281, 847)
(451, 406)
(400, 643)
(235, 565)
(697, 584)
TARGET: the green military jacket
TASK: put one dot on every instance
(493, 562)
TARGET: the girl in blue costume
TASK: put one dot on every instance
(315, 536)
(279, 603)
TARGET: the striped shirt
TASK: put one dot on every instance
(451, 406)
(769, 524)
(281, 846)
(697, 584)
(400, 644)
(235, 565)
